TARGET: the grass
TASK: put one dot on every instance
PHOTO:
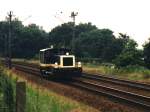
(39, 99)
(43, 101)
(6, 93)
(136, 73)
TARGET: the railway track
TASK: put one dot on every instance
(131, 86)
(127, 97)
(90, 83)
(125, 85)
(118, 81)
(103, 78)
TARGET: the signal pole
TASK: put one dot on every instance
(5, 47)
(9, 39)
(73, 16)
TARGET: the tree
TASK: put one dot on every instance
(29, 41)
(3, 36)
(95, 43)
(83, 28)
(146, 54)
(61, 36)
(130, 55)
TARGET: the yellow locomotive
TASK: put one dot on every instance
(58, 62)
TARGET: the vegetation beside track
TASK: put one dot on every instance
(40, 99)
(136, 73)
(7, 93)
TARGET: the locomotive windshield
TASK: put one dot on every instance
(67, 61)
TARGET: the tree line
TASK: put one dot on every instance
(89, 42)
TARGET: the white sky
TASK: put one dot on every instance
(125, 16)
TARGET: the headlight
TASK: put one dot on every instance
(67, 53)
(56, 65)
(79, 64)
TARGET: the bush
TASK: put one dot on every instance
(7, 91)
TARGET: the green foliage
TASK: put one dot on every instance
(90, 60)
(7, 91)
(130, 55)
(83, 28)
(3, 35)
(61, 36)
(26, 41)
(89, 42)
(38, 101)
(30, 41)
(147, 54)
(131, 72)
(95, 43)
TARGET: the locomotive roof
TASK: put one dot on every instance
(46, 49)
(55, 50)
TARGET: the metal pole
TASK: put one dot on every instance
(20, 96)
(73, 16)
(9, 39)
(6, 48)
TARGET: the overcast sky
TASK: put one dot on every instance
(125, 16)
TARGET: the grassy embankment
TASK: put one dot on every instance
(135, 73)
(39, 99)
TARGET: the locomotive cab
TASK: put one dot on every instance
(59, 62)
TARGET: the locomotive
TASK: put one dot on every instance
(58, 62)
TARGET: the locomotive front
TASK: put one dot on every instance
(59, 62)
